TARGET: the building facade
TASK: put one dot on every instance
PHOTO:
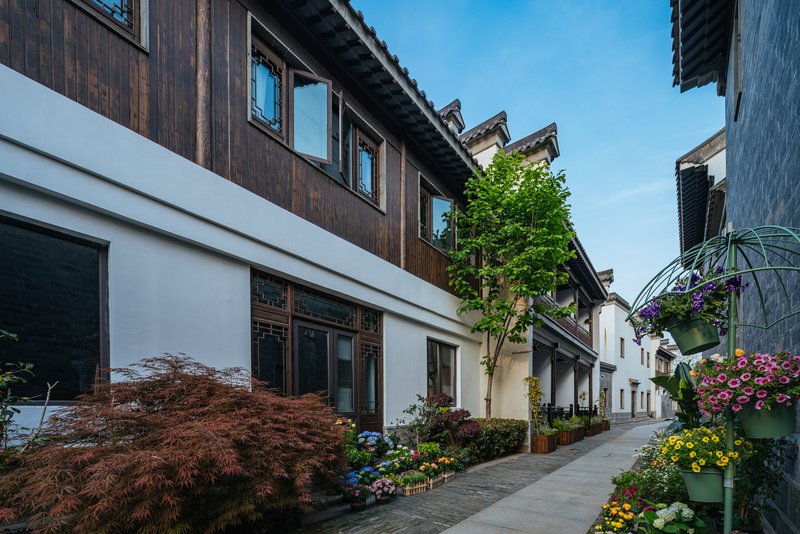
(751, 50)
(254, 184)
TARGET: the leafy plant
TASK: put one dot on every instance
(498, 437)
(173, 446)
(562, 426)
(681, 389)
(517, 224)
(702, 447)
(675, 518)
(434, 420)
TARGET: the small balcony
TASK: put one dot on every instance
(570, 325)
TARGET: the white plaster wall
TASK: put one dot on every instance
(405, 363)
(716, 167)
(509, 398)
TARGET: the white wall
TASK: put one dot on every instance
(509, 393)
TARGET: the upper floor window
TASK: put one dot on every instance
(622, 347)
(367, 167)
(641, 356)
(648, 360)
(126, 17)
(311, 121)
(266, 93)
(434, 225)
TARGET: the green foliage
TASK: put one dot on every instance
(356, 457)
(681, 388)
(562, 426)
(675, 518)
(758, 477)
(513, 239)
(432, 449)
(498, 437)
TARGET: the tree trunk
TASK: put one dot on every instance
(488, 397)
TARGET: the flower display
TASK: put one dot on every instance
(763, 380)
(703, 447)
(617, 517)
(677, 517)
(383, 487)
(703, 296)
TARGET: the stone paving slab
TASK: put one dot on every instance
(473, 501)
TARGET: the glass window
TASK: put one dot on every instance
(622, 347)
(311, 120)
(344, 374)
(269, 354)
(312, 359)
(441, 368)
(51, 298)
(367, 169)
(370, 391)
(434, 225)
(122, 12)
(622, 399)
(267, 89)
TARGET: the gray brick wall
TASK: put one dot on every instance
(763, 169)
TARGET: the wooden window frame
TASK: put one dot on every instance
(290, 125)
(361, 138)
(259, 46)
(428, 190)
(438, 385)
(133, 32)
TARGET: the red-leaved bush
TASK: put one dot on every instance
(173, 446)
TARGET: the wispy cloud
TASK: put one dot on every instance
(644, 189)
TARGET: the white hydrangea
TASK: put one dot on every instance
(659, 523)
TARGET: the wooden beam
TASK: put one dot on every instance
(203, 81)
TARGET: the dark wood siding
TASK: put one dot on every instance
(153, 91)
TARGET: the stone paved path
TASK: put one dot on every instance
(461, 502)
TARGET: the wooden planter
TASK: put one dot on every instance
(413, 490)
(448, 476)
(358, 506)
(435, 482)
(566, 437)
(606, 425)
(579, 434)
(544, 444)
(597, 428)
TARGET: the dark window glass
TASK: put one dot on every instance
(268, 291)
(424, 213)
(441, 368)
(120, 11)
(310, 112)
(269, 354)
(312, 304)
(50, 298)
(312, 360)
(367, 163)
(369, 357)
(344, 374)
(441, 233)
(267, 86)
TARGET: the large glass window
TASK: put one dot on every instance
(51, 297)
(441, 368)
(311, 120)
(324, 360)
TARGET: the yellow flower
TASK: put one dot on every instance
(674, 457)
(719, 454)
(715, 439)
(695, 468)
(701, 461)
(678, 446)
(705, 439)
(663, 450)
(672, 440)
(627, 507)
(737, 442)
(692, 454)
(739, 353)
(733, 454)
(689, 445)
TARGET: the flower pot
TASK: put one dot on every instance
(705, 486)
(358, 506)
(774, 423)
(566, 437)
(382, 499)
(694, 335)
(544, 444)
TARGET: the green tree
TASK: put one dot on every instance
(513, 240)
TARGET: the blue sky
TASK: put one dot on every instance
(602, 70)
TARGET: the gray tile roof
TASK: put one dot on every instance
(455, 105)
(483, 128)
(534, 140)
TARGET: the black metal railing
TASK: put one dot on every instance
(550, 412)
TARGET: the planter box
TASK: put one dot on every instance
(579, 434)
(544, 444)
(413, 490)
(448, 476)
(606, 425)
(597, 428)
(566, 437)
(435, 482)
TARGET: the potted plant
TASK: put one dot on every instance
(596, 424)
(433, 472)
(601, 409)
(383, 489)
(702, 456)
(578, 427)
(677, 517)
(543, 439)
(412, 482)
(356, 494)
(761, 388)
(447, 465)
(565, 432)
(694, 311)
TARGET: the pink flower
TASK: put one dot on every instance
(783, 397)
(725, 395)
(760, 380)
(786, 364)
(722, 377)
(759, 404)
(747, 390)
(734, 383)
(745, 377)
(761, 393)
(736, 407)
(742, 399)
(742, 363)
(784, 380)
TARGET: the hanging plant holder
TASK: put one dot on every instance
(764, 423)
(705, 486)
(694, 335)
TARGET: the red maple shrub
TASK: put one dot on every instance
(173, 446)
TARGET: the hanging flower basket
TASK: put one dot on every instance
(704, 486)
(694, 335)
(768, 423)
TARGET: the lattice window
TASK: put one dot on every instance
(270, 352)
(269, 291)
(122, 12)
(313, 304)
(370, 378)
(371, 321)
(266, 95)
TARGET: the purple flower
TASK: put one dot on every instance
(709, 287)
(697, 301)
(782, 397)
(745, 377)
(722, 377)
(741, 363)
(784, 380)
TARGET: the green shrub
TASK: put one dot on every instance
(498, 437)
(432, 449)
(561, 426)
(357, 458)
